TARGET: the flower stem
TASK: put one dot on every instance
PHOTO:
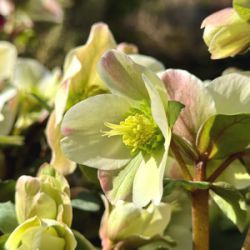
(200, 211)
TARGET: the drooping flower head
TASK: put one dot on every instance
(125, 221)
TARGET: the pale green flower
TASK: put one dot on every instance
(27, 89)
(127, 130)
(81, 80)
(8, 55)
(42, 234)
(8, 99)
(46, 196)
(36, 87)
(124, 221)
(226, 33)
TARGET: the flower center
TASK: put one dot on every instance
(139, 132)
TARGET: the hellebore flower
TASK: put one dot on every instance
(46, 196)
(36, 88)
(41, 234)
(8, 55)
(80, 80)
(24, 84)
(125, 221)
(226, 33)
(227, 98)
(8, 94)
(127, 130)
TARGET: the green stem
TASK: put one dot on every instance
(181, 162)
(200, 211)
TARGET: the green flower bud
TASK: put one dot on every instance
(125, 220)
(46, 196)
(41, 234)
(226, 33)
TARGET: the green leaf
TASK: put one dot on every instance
(87, 201)
(223, 135)
(11, 140)
(7, 190)
(8, 221)
(174, 109)
(231, 202)
(158, 245)
(82, 242)
(242, 7)
(90, 174)
(170, 185)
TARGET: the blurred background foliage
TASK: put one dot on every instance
(166, 29)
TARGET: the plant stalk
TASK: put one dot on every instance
(200, 211)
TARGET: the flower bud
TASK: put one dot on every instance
(226, 34)
(125, 220)
(41, 234)
(46, 196)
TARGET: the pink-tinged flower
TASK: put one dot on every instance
(226, 33)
